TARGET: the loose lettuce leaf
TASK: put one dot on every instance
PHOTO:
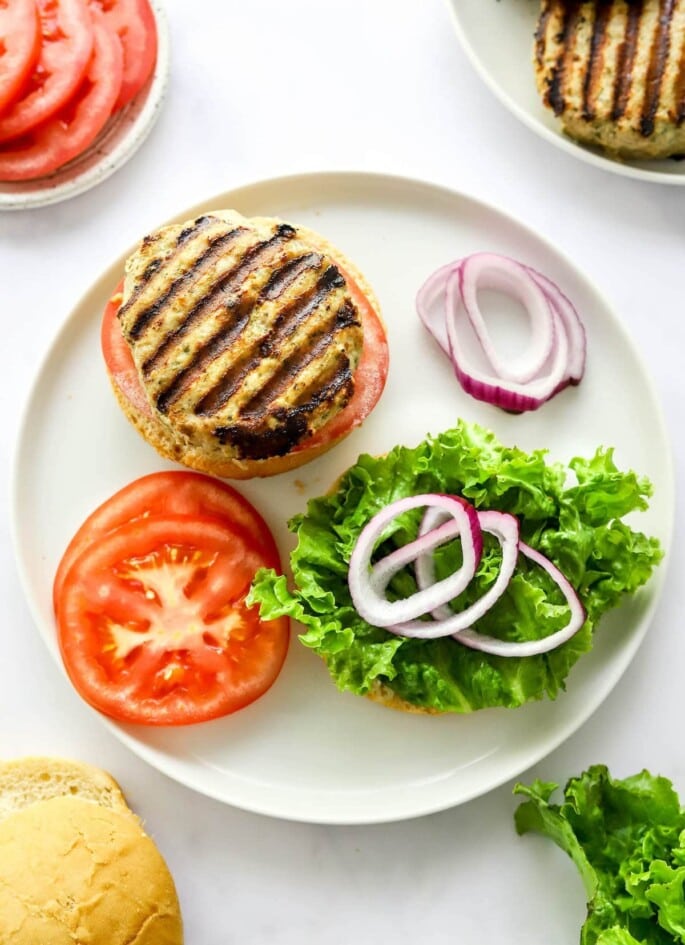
(627, 839)
(572, 515)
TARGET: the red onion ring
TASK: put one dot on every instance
(446, 518)
(487, 644)
(368, 585)
(571, 321)
(511, 278)
(505, 529)
(556, 354)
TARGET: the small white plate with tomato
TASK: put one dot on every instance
(303, 750)
(81, 85)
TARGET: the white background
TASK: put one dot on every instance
(260, 89)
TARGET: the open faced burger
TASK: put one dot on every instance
(462, 574)
(243, 347)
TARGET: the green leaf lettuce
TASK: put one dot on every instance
(574, 516)
(627, 839)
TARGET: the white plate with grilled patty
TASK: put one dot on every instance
(498, 37)
(305, 751)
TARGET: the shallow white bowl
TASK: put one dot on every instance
(497, 36)
(118, 141)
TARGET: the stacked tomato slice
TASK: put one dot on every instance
(65, 67)
(150, 603)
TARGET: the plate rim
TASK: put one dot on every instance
(557, 138)
(353, 816)
(114, 160)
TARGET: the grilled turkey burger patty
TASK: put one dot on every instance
(246, 336)
(613, 72)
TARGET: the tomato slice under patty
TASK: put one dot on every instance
(19, 46)
(69, 133)
(369, 377)
(66, 48)
(168, 493)
(153, 626)
(134, 23)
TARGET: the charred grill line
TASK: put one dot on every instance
(593, 73)
(154, 265)
(339, 378)
(211, 349)
(555, 92)
(679, 90)
(285, 276)
(626, 59)
(218, 295)
(293, 365)
(657, 65)
(186, 278)
(150, 270)
(259, 442)
(541, 32)
(286, 323)
(195, 227)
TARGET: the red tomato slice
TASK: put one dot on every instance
(369, 378)
(134, 23)
(69, 133)
(153, 626)
(163, 494)
(19, 46)
(67, 44)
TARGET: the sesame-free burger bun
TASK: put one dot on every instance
(25, 781)
(75, 873)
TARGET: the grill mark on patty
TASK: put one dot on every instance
(679, 90)
(187, 277)
(287, 274)
(555, 91)
(286, 322)
(595, 65)
(195, 227)
(293, 365)
(541, 33)
(625, 60)
(223, 338)
(257, 441)
(219, 294)
(657, 65)
(200, 224)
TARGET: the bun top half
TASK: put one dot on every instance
(72, 871)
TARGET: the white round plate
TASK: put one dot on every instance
(497, 35)
(118, 141)
(305, 751)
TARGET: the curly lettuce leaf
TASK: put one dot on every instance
(573, 515)
(627, 838)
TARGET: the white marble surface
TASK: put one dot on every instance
(265, 88)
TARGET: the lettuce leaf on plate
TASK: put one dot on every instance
(627, 839)
(571, 515)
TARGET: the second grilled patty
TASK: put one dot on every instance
(245, 335)
(613, 71)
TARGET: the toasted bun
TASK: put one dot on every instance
(178, 449)
(27, 781)
(384, 695)
(74, 872)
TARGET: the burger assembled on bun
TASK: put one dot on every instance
(243, 347)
